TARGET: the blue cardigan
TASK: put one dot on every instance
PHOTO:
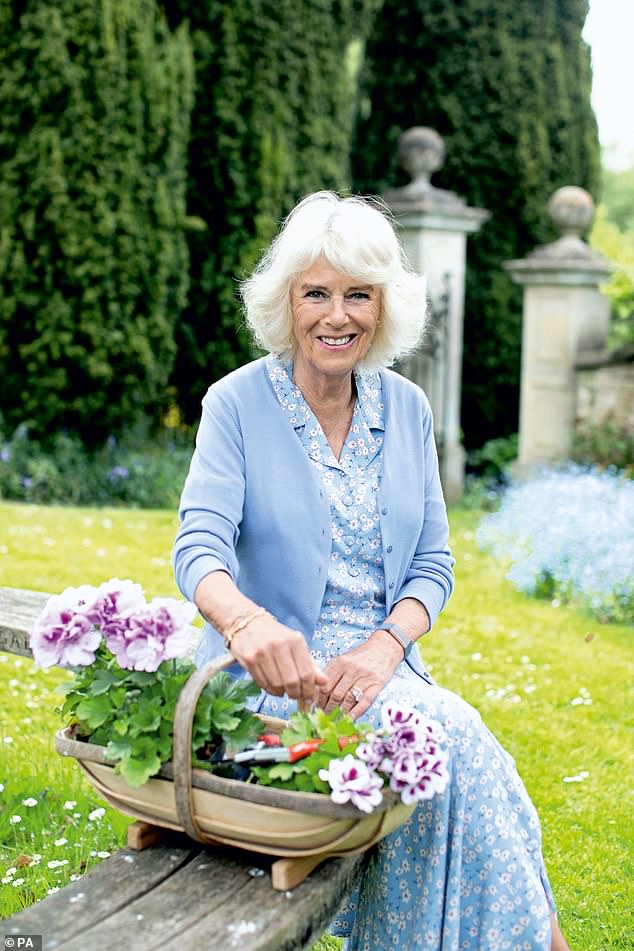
(253, 506)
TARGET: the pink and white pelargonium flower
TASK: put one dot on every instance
(352, 781)
(140, 635)
(65, 632)
(157, 632)
(408, 750)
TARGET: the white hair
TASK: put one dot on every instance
(357, 238)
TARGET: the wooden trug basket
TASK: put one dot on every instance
(303, 829)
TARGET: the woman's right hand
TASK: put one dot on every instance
(278, 659)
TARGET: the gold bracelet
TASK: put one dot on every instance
(239, 625)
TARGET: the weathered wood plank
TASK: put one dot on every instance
(175, 895)
(256, 918)
(19, 609)
(111, 885)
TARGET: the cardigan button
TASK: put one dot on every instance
(391, 585)
(383, 511)
(389, 549)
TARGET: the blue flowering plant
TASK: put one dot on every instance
(568, 535)
(129, 660)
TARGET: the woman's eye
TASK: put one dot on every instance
(315, 295)
(359, 295)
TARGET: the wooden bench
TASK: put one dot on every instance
(174, 895)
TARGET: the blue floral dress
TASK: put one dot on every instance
(465, 872)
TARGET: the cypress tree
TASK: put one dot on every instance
(96, 97)
(507, 85)
(272, 121)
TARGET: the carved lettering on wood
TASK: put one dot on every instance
(15, 642)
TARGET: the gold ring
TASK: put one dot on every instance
(357, 693)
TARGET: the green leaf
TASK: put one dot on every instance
(94, 711)
(118, 697)
(118, 749)
(286, 771)
(141, 678)
(136, 771)
(142, 761)
(246, 734)
(121, 726)
(147, 717)
(102, 681)
(301, 727)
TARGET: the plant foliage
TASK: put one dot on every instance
(96, 98)
(272, 121)
(303, 775)
(137, 470)
(131, 713)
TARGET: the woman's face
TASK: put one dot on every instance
(334, 320)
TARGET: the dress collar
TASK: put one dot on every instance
(369, 406)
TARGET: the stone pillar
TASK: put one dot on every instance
(564, 316)
(434, 224)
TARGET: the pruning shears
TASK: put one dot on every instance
(270, 750)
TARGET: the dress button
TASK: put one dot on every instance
(383, 511)
(389, 548)
(353, 571)
(349, 540)
(348, 500)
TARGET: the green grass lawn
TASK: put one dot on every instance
(554, 685)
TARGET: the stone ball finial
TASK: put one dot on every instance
(571, 210)
(421, 152)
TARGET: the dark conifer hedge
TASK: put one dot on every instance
(273, 117)
(96, 97)
(507, 84)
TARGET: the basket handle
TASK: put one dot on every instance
(182, 755)
(183, 730)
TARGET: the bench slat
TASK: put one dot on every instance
(256, 918)
(111, 885)
(175, 896)
(18, 612)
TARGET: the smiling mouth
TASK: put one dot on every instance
(337, 341)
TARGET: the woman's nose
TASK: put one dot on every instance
(337, 313)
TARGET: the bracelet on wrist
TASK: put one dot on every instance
(239, 624)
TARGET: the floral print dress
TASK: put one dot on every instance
(465, 872)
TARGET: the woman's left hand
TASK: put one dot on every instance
(356, 677)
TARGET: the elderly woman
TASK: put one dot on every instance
(313, 539)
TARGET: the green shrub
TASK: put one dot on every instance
(618, 247)
(96, 97)
(606, 445)
(491, 461)
(272, 121)
(136, 471)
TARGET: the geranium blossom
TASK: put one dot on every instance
(419, 774)
(352, 781)
(65, 632)
(407, 750)
(140, 635)
(156, 633)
